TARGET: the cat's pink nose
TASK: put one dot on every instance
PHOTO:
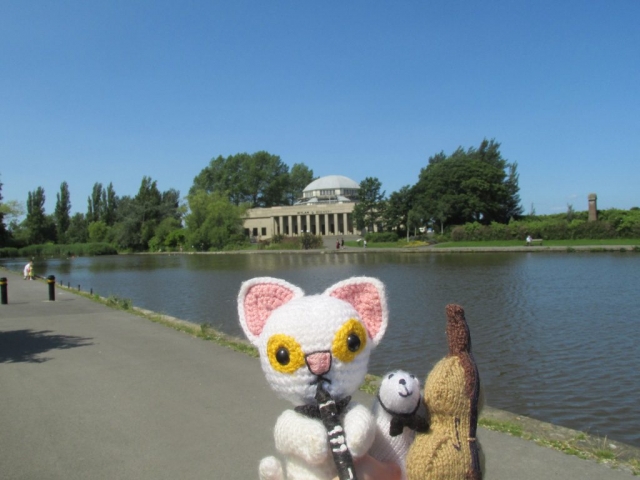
(319, 363)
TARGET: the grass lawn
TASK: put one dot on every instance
(546, 243)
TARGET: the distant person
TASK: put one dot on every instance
(337, 244)
(529, 239)
(364, 244)
(28, 271)
(342, 242)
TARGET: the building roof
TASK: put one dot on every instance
(331, 182)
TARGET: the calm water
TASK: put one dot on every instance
(555, 335)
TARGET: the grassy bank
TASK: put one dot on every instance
(632, 242)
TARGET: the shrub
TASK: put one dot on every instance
(77, 249)
(629, 226)
(381, 237)
(596, 230)
(8, 252)
(308, 240)
(277, 238)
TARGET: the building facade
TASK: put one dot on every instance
(326, 208)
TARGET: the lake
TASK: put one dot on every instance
(554, 334)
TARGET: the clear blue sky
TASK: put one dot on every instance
(110, 91)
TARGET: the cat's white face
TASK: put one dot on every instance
(310, 340)
(304, 340)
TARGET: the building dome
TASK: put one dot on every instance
(332, 182)
(330, 189)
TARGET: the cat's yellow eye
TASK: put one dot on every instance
(349, 341)
(285, 354)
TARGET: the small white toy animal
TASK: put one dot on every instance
(396, 413)
(312, 344)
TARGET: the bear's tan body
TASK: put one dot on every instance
(449, 449)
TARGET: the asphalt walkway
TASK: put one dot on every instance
(89, 392)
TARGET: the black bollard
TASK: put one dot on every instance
(3, 291)
(51, 281)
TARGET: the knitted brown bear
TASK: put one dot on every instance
(449, 450)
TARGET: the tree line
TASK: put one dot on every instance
(153, 219)
(474, 186)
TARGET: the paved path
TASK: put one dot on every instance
(88, 392)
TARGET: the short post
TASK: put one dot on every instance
(3, 290)
(51, 281)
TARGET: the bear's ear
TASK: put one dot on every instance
(368, 297)
(259, 297)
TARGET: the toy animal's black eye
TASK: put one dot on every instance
(353, 342)
(282, 356)
(349, 341)
(390, 376)
(412, 376)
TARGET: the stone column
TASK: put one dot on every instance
(308, 223)
(593, 207)
(326, 224)
(290, 225)
(299, 219)
(345, 220)
(318, 232)
(281, 222)
(336, 226)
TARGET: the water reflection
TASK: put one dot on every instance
(553, 334)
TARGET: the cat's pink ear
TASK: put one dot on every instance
(259, 297)
(368, 297)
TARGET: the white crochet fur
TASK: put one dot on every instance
(274, 312)
(400, 393)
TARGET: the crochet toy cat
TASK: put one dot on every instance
(314, 352)
(450, 449)
(396, 412)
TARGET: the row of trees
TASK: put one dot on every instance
(211, 218)
(473, 185)
(126, 222)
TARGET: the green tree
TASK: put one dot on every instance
(513, 207)
(94, 204)
(222, 175)
(36, 222)
(98, 231)
(63, 207)
(213, 221)
(138, 217)
(12, 211)
(371, 204)
(259, 179)
(396, 213)
(109, 205)
(267, 179)
(476, 185)
(77, 231)
(164, 234)
(299, 177)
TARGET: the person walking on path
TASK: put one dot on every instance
(28, 271)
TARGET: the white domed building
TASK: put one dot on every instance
(325, 208)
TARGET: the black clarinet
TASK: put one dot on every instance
(329, 416)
